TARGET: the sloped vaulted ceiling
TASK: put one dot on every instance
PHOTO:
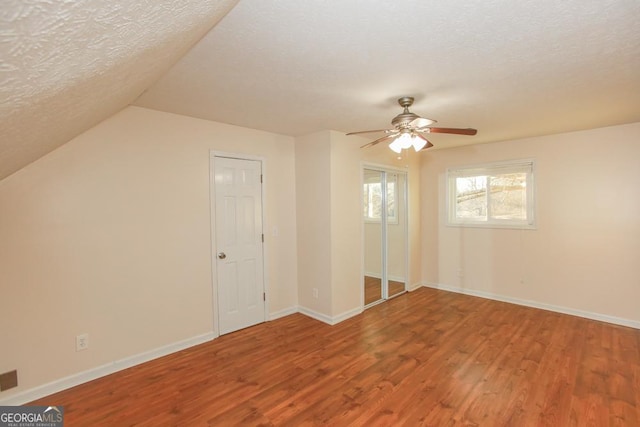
(511, 69)
(67, 65)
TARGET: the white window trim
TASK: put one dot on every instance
(520, 165)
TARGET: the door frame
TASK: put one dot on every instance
(385, 168)
(212, 229)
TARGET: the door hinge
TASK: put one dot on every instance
(262, 237)
(260, 178)
(264, 296)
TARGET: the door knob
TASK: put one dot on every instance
(222, 255)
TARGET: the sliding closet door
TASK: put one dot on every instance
(396, 234)
(385, 234)
(372, 236)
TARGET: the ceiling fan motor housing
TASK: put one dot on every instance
(403, 119)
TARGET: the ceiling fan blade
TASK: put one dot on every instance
(421, 122)
(455, 131)
(429, 144)
(372, 131)
(377, 141)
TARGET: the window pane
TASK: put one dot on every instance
(508, 196)
(492, 195)
(471, 198)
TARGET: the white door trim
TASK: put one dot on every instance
(212, 228)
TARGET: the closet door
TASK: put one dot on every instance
(373, 247)
(385, 234)
(396, 233)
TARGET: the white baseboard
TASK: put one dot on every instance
(22, 397)
(282, 313)
(346, 315)
(315, 315)
(534, 304)
(330, 320)
(76, 379)
(415, 286)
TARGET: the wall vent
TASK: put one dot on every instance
(8, 380)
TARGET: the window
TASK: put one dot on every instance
(373, 200)
(496, 195)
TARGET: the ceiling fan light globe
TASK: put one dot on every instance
(419, 143)
(396, 146)
(405, 140)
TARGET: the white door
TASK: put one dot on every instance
(238, 256)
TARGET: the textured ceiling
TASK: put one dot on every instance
(508, 68)
(67, 65)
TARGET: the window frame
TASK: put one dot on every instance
(526, 166)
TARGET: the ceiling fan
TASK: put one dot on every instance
(410, 130)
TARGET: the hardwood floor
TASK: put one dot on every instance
(373, 290)
(425, 358)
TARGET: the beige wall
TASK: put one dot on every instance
(346, 223)
(313, 198)
(416, 256)
(330, 226)
(584, 253)
(110, 235)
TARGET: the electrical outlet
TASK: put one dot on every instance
(82, 342)
(315, 292)
(460, 272)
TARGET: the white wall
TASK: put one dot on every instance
(110, 235)
(584, 254)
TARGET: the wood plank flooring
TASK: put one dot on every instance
(425, 358)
